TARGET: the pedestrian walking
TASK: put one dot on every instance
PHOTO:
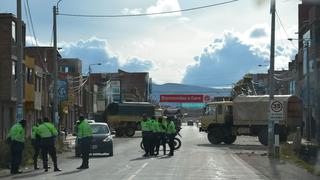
(161, 135)
(35, 141)
(84, 137)
(146, 134)
(48, 133)
(171, 133)
(16, 138)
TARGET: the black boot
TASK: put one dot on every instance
(35, 165)
(56, 168)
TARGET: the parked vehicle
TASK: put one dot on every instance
(248, 115)
(190, 123)
(102, 141)
(125, 118)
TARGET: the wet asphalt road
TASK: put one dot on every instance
(197, 159)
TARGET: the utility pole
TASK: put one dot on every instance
(55, 69)
(20, 71)
(271, 80)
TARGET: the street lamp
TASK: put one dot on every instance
(55, 66)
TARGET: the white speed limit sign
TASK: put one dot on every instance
(276, 110)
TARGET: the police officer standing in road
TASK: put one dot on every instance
(16, 138)
(35, 141)
(161, 135)
(171, 133)
(84, 134)
(146, 134)
(153, 137)
(48, 133)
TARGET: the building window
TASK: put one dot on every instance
(13, 32)
(14, 69)
(29, 75)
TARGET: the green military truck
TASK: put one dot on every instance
(124, 118)
(248, 115)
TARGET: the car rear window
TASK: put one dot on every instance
(99, 129)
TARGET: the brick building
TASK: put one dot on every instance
(306, 66)
(8, 70)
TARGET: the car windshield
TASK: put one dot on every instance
(99, 129)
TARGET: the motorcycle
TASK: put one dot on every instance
(177, 142)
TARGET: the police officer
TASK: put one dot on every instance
(153, 137)
(171, 133)
(35, 141)
(48, 133)
(161, 135)
(84, 137)
(16, 138)
(146, 134)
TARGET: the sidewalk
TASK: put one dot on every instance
(69, 141)
(276, 169)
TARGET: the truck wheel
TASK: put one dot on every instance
(230, 139)
(215, 136)
(263, 136)
(130, 131)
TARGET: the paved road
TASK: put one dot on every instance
(196, 159)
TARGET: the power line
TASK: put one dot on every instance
(279, 19)
(146, 14)
(29, 16)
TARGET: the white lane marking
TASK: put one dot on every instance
(138, 171)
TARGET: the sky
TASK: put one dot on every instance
(212, 47)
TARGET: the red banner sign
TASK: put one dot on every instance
(181, 98)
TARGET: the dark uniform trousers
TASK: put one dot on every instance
(146, 140)
(171, 143)
(85, 144)
(161, 141)
(16, 155)
(36, 148)
(153, 142)
(48, 147)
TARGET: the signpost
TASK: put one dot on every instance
(276, 111)
(276, 115)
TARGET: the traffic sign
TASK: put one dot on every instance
(276, 110)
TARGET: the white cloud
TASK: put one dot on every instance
(95, 50)
(128, 11)
(228, 58)
(164, 6)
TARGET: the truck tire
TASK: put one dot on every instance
(229, 139)
(263, 136)
(130, 131)
(215, 136)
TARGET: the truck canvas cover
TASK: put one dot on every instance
(253, 110)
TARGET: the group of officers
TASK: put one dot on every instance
(156, 132)
(43, 139)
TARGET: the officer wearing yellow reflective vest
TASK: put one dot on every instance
(171, 133)
(153, 137)
(35, 141)
(146, 134)
(84, 137)
(48, 133)
(161, 135)
(16, 138)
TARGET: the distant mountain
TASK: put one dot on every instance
(173, 88)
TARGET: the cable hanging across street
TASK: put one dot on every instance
(146, 14)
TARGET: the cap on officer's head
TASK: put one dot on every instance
(45, 119)
(81, 118)
(22, 121)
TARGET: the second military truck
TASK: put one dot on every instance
(248, 115)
